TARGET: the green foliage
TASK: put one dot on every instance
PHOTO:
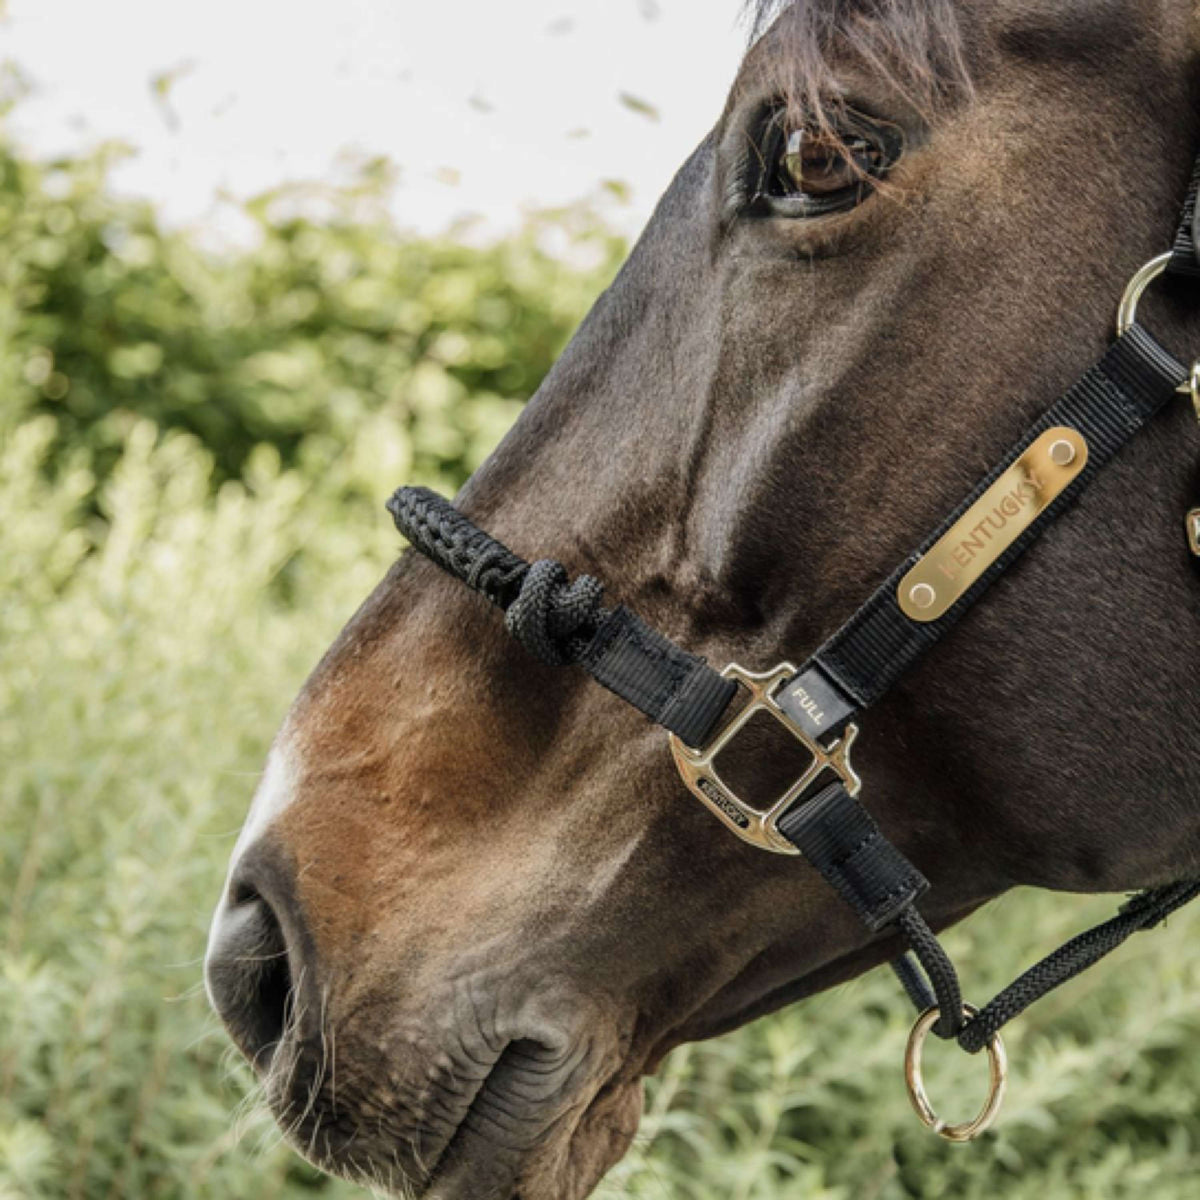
(334, 331)
(143, 664)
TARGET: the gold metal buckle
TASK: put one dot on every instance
(756, 825)
(1193, 386)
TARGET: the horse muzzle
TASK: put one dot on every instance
(486, 1087)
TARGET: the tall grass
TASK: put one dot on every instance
(144, 663)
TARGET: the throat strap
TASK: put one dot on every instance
(840, 839)
(1144, 911)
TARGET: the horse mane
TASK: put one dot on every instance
(916, 44)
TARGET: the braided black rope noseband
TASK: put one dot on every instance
(563, 622)
(552, 618)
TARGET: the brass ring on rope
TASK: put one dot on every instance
(915, 1082)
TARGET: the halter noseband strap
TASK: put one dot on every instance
(563, 623)
(820, 817)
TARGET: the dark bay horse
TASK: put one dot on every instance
(473, 904)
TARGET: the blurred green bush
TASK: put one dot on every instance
(333, 338)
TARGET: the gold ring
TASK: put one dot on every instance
(1142, 279)
(1127, 314)
(915, 1082)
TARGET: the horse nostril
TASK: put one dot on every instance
(249, 973)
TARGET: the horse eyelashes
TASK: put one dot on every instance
(809, 169)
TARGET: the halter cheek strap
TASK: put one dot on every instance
(1185, 254)
(563, 622)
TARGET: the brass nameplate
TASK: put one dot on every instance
(1008, 508)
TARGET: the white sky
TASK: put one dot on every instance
(519, 99)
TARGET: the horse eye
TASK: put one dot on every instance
(808, 171)
(816, 164)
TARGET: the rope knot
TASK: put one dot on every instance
(553, 618)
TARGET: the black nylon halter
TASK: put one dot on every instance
(562, 622)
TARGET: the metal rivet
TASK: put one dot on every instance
(1062, 453)
(922, 595)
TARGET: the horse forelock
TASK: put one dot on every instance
(917, 45)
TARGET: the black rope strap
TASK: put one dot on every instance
(554, 619)
(439, 531)
(915, 983)
(1144, 911)
(939, 970)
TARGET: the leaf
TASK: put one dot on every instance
(161, 87)
(636, 104)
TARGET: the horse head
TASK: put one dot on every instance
(473, 904)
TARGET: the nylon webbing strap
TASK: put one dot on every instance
(839, 837)
(676, 690)
(1185, 254)
(1108, 405)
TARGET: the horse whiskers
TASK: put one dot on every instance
(333, 1071)
(405, 1186)
(259, 958)
(189, 993)
(323, 1032)
(315, 1085)
(213, 1029)
(281, 1088)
